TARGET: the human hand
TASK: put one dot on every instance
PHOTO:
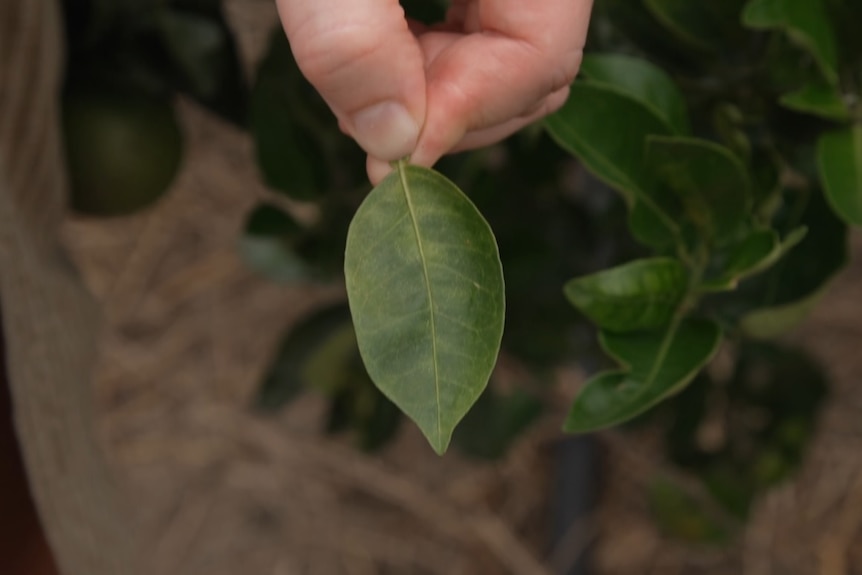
(400, 88)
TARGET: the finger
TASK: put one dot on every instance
(523, 53)
(378, 169)
(365, 62)
(488, 136)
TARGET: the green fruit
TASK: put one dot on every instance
(123, 148)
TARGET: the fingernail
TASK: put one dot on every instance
(386, 130)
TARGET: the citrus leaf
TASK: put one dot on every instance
(806, 23)
(839, 158)
(426, 292)
(709, 180)
(205, 61)
(267, 245)
(495, 422)
(607, 129)
(688, 21)
(819, 99)
(319, 352)
(685, 517)
(784, 296)
(655, 365)
(757, 252)
(288, 154)
(643, 81)
(640, 295)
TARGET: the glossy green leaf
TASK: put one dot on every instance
(709, 180)
(426, 292)
(688, 21)
(359, 407)
(607, 129)
(319, 352)
(820, 100)
(728, 122)
(204, 60)
(643, 81)
(268, 245)
(289, 153)
(780, 299)
(654, 365)
(757, 252)
(495, 422)
(839, 159)
(640, 295)
(806, 22)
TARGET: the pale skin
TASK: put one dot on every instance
(402, 89)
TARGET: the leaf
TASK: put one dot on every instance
(267, 245)
(641, 80)
(818, 99)
(289, 155)
(428, 13)
(654, 364)
(807, 24)
(754, 254)
(205, 61)
(781, 298)
(688, 21)
(426, 292)
(681, 515)
(709, 180)
(640, 26)
(495, 422)
(606, 130)
(640, 295)
(360, 407)
(839, 159)
(319, 352)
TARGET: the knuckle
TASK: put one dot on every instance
(322, 49)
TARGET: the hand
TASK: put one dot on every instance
(400, 88)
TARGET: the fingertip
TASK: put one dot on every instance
(377, 169)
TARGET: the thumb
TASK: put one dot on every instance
(366, 64)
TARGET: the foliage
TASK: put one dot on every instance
(723, 141)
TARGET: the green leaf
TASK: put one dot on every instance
(319, 352)
(807, 24)
(640, 295)
(641, 80)
(688, 21)
(757, 252)
(839, 159)
(495, 422)
(818, 99)
(709, 180)
(289, 154)
(426, 292)
(781, 298)
(268, 245)
(681, 515)
(607, 129)
(205, 61)
(428, 13)
(655, 365)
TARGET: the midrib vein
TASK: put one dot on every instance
(402, 173)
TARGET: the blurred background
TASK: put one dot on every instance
(211, 192)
